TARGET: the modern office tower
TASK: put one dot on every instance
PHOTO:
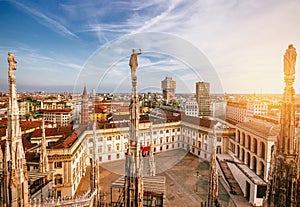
(203, 98)
(168, 86)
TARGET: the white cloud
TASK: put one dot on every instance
(46, 21)
(244, 40)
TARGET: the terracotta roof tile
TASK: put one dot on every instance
(67, 110)
(69, 140)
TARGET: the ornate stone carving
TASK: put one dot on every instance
(13, 180)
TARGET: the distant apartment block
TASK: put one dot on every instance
(237, 111)
(55, 104)
(60, 117)
(191, 108)
(218, 109)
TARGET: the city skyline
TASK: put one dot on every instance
(242, 41)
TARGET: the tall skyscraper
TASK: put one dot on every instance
(203, 98)
(168, 86)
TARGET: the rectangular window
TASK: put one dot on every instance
(58, 165)
(58, 181)
(109, 157)
(261, 191)
(118, 156)
(100, 149)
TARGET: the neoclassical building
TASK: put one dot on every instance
(68, 159)
(169, 131)
(251, 150)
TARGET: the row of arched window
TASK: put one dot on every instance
(251, 143)
(251, 161)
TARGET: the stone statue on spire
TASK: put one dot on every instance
(133, 62)
(290, 60)
(12, 65)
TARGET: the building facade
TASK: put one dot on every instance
(191, 108)
(203, 98)
(251, 150)
(168, 86)
(236, 111)
(185, 132)
(68, 159)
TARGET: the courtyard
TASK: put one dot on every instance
(186, 176)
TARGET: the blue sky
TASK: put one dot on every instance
(56, 43)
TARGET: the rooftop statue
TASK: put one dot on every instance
(133, 62)
(12, 64)
(290, 60)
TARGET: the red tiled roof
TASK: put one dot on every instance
(100, 108)
(69, 140)
(49, 132)
(198, 121)
(26, 143)
(55, 110)
(2, 132)
(26, 125)
(3, 105)
(32, 157)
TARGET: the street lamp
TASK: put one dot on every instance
(198, 176)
